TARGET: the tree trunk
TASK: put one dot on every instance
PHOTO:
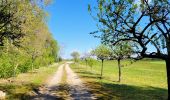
(32, 65)
(168, 66)
(168, 75)
(119, 67)
(91, 67)
(86, 64)
(15, 68)
(101, 69)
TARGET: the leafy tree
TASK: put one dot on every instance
(121, 51)
(102, 52)
(145, 23)
(15, 16)
(75, 56)
(25, 40)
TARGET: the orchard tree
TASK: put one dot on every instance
(90, 62)
(144, 22)
(102, 52)
(85, 57)
(121, 51)
(75, 56)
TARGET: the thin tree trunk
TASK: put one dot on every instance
(86, 64)
(15, 68)
(32, 65)
(101, 69)
(119, 67)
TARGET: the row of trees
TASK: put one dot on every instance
(118, 52)
(105, 52)
(25, 40)
(146, 23)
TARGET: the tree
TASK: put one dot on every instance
(85, 57)
(90, 62)
(14, 16)
(121, 51)
(75, 56)
(102, 52)
(25, 40)
(10, 24)
(145, 23)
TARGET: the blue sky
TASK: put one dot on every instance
(70, 24)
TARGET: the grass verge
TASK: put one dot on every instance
(20, 87)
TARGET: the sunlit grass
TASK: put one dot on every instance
(143, 80)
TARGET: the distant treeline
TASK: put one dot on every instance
(25, 40)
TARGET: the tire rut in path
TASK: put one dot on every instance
(78, 91)
(53, 88)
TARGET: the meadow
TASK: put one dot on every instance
(141, 80)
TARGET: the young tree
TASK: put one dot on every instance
(102, 52)
(121, 51)
(85, 57)
(75, 56)
(145, 22)
(90, 62)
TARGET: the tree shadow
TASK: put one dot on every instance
(29, 92)
(58, 92)
(111, 91)
(17, 91)
(87, 72)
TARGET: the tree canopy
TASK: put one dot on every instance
(102, 52)
(25, 40)
(145, 23)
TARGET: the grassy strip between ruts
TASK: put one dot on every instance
(21, 87)
(143, 80)
(62, 90)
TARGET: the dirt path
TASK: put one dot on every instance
(48, 91)
(56, 79)
(72, 88)
(78, 91)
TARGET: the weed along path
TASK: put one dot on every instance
(64, 85)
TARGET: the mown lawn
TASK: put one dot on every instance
(22, 86)
(142, 80)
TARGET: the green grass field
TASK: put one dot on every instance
(142, 80)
